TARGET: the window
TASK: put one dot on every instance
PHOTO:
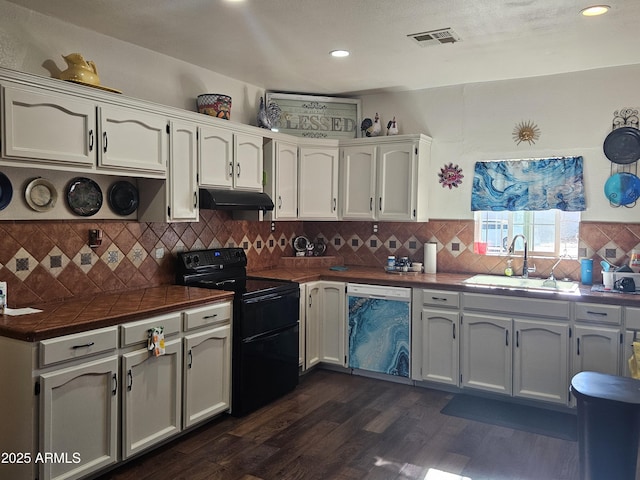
(549, 233)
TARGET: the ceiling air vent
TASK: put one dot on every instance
(435, 37)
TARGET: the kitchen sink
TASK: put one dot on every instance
(519, 283)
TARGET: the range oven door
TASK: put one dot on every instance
(265, 350)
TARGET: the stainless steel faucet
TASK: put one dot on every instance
(525, 265)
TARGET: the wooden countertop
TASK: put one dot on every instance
(104, 310)
(442, 281)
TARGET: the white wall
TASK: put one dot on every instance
(475, 122)
(34, 43)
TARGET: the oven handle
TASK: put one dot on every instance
(225, 282)
(270, 333)
(270, 297)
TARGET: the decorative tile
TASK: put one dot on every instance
(337, 241)
(271, 243)
(413, 245)
(355, 242)
(112, 257)
(258, 244)
(245, 244)
(373, 243)
(22, 264)
(610, 251)
(55, 262)
(137, 255)
(393, 244)
(283, 241)
(455, 247)
(85, 259)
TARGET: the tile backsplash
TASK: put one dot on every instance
(51, 260)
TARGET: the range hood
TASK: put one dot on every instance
(215, 199)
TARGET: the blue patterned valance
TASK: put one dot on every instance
(545, 184)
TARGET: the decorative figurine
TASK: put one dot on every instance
(375, 128)
(365, 126)
(263, 120)
(392, 127)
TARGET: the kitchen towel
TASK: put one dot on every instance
(155, 341)
(634, 361)
(430, 255)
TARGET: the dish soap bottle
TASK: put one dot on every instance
(509, 270)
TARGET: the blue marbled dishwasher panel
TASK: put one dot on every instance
(379, 335)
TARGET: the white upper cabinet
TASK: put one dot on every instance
(230, 160)
(183, 183)
(318, 183)
(132, 140)
(43, 127)
(281, 167)
(385, 178)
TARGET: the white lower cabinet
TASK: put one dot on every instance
(436, 336)
(207, 374)
(152, 396)
(514, 354)
(325, 323)
(79, 418)
(596, 349)
(302, 316)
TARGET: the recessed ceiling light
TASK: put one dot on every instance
(595, 10)
(339, 53)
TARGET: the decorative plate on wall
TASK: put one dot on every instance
(622, 189)
(84, 196)
(41, 195)
(123, 198)
(6, 191)
(622, 145)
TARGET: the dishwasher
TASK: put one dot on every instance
(379, 328)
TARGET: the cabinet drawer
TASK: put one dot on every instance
(78, 345)
(441, 298)
(593, 312)
(137, 332)
(632, 316)
(209, 315)
(517, 305)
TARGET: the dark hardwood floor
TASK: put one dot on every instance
(346, 427)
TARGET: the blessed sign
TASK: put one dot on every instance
(317, 117)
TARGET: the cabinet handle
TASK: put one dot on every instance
(370, 204)
(279, 202)
(439, 299)
(238, 172)
(309, 300)
(115, 384)
(105, 142)
(517, 338)
(189, 359)
(130, 380)
(578, 342)
(195, 199)
(91, 140)
(86, 345)
(206, 317)
(380, 204)
(506, 337)
(231, 169)
(335, 204)
(454, 331)
(602, 314)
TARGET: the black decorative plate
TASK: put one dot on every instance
(123, 198)
(622, 145)
(40, 194)
(84, 196)
(6, 191)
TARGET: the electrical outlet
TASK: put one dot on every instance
(375, 228)
(273, 226)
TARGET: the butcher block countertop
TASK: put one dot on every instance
(103, 310)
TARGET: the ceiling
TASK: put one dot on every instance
(284, 45)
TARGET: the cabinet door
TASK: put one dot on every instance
(183, 189)
(396, 182)
(486, 353)
(286, 181)
(333, 328)
(440, 346)
(52, 128)
(247, 150)
(358, 182)
(133, 141)
(541, 361)
(318, 183)
(313, 309)
(207, 374)
(302, 315)
(79, 416)
(596, 349)
(215, 161)
(152, 397)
